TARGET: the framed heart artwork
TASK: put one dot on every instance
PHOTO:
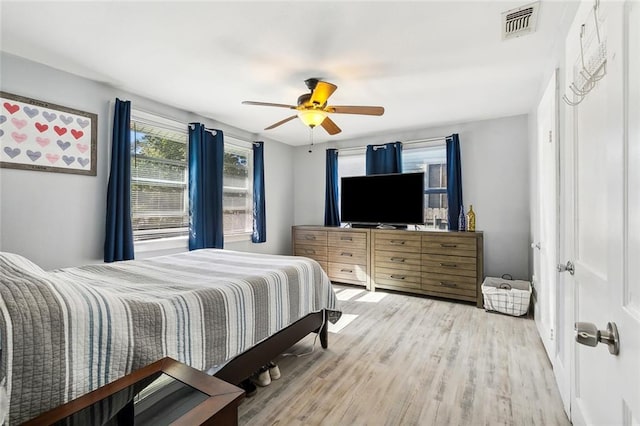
(36, 135)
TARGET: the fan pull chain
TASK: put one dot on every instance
(311, 137)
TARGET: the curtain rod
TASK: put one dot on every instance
(179, 123)
(437, 138)
(192, 126)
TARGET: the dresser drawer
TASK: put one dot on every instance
(449, 288)
(348, 272)
(401, 260)
(310, 237)
(347, 255)
(455, 265)
(449, 245)
(450, 285)
(347, 239)
(313, 251)
(398, 242)
(448, 280)
(397, 277)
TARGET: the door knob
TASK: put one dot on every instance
(568, 267)
(589, 335)
(535, 245)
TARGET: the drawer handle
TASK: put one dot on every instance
(398, 259)
(350, 271)
(310, 237)
(448, 245)
(397, 277)
(444, 284)
(346, 239)
(449, 265)
(398, 242)
(346, 254)
(310, 251)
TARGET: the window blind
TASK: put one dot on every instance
(158, 179)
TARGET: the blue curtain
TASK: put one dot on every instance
(259, 212)
(382, 159)
(331, 213)
(206, 163)
(118, 242)
(454, 180)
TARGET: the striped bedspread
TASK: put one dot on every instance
(67, 332)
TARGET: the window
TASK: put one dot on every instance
(238, 188)
(159, 181)
(350, 163)
(432, 160)
(159, 194)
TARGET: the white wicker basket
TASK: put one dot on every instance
(507, 296)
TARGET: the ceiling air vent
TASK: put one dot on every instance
(520, 21)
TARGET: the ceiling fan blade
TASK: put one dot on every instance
(268, 104)
(363, 110)
(331, 127)
(322, 92)
(281, 122)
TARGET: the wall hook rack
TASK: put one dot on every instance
(587, 74)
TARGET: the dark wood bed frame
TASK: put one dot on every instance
(248, 362)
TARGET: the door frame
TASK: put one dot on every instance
(546, 304)
(552, 338)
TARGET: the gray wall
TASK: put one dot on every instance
(495, 179)
(57, 219)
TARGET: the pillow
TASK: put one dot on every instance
(16, 265)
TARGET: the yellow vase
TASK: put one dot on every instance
(471, 219)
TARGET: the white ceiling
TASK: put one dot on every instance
(428, 63)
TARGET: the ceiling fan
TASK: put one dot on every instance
(313, 109)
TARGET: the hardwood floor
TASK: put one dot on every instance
(408, 360)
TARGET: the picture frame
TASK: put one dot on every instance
(42, 136)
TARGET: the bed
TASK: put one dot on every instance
(70, 331)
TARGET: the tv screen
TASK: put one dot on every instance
(392, 199)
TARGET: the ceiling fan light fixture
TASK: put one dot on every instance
(312, 117)
(312, 108)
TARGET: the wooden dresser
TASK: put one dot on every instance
(434, 263)
(342, 252)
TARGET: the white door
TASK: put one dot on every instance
(602, 206)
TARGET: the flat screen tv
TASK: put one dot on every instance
(391, 199)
